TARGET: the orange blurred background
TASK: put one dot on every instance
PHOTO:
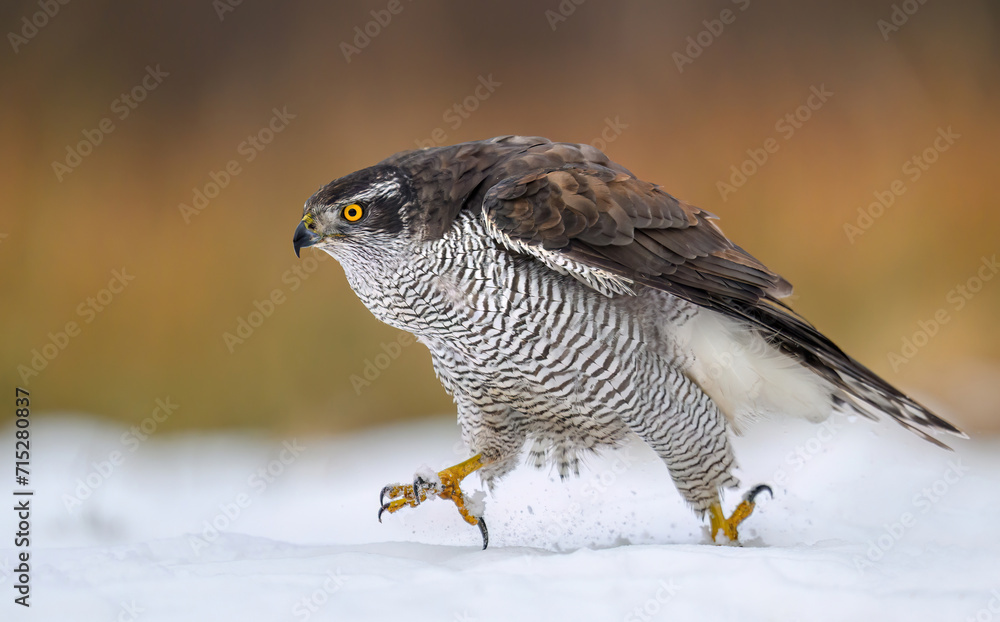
(83, 197)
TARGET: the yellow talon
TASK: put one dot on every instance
(403, 495)
(728, 526)
(450, 480)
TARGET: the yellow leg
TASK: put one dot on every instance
(447, 486)
(728, 526)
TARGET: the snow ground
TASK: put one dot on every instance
(868, 522)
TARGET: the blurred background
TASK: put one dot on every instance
(155, 158)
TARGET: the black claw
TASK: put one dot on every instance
(417, 483)
(380, 510)
(381, 496)
(756, 490)
(486, 534)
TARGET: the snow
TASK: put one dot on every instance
(867, 522)
(476, 503)
(428, 475)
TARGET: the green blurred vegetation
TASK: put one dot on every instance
(163, 334)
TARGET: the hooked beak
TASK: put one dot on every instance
(303, 237)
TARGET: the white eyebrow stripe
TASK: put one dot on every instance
(382, 188)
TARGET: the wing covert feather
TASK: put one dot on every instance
(611, 220)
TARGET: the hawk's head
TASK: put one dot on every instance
(368, 208)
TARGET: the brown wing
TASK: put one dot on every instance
(610, 220)
(604, 218)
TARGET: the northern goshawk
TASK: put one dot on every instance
(567, 304)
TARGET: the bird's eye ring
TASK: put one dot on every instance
(353, 212)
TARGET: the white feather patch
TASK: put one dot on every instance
(747, 378)
(605, 282)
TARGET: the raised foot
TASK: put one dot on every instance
(728, 526)
(444, 484)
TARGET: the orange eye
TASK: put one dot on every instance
(353, 212)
